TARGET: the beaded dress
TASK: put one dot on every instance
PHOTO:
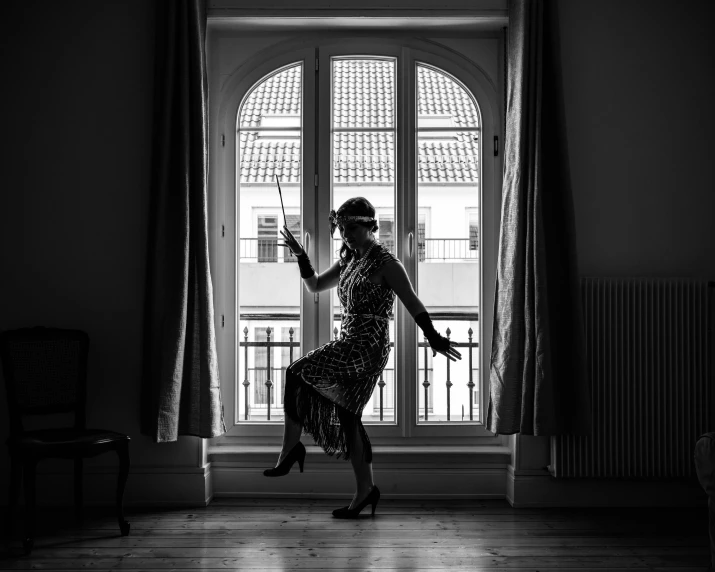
(341, 375)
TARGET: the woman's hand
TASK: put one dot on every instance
(445, 347)
(291, 242)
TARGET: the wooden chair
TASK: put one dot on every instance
(45, 372)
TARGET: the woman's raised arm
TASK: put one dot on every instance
(313, 282)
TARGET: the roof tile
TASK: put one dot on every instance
(363, 91)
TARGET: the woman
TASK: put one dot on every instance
(327, 389)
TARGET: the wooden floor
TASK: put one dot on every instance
(267, 535)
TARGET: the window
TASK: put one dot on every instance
(421, 236)
(386, 231)
(407, 129)
(473, 225)
(267, 238)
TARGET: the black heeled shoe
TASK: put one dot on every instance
(371, 498)
(297, 453)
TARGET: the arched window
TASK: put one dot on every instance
(405, 128)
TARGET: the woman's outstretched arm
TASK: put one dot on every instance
(397, 279)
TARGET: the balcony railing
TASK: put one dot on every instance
(270, 372)
(267, 374)
(267, 249)
(264, 250)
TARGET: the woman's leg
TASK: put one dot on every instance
(291, 436)
(292, 428)
(360, 454)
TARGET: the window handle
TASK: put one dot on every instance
(306, 240)
(410, 240)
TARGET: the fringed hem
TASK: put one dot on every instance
(327, 422)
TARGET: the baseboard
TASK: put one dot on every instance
(423, 484)
(146, 486)
(527, 489)
(400, 472)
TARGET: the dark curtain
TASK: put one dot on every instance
(180, 392)
(538, 376)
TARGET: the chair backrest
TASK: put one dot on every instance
(45, 372)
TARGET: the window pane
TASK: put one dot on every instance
(448, 187)
(364, 165)
(442, 101)
(363, 93)
(275, 101)
(269, 145)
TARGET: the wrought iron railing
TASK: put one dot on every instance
(268, 249)
(264, 250)
(258, 376)
(268, 344)
(470, 345)
(269, 374)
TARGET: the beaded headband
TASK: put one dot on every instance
(342, 220)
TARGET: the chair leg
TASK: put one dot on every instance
(123, 452)
(15, 476)
(78, 482)
(29, 471)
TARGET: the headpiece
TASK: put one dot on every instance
(342, 220)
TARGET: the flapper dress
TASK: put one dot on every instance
(335, 381)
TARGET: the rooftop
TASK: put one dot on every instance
(363, 98)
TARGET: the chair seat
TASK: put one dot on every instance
(66, 437)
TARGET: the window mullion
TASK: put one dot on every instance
(323, 190)
(406, 225)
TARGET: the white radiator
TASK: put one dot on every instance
(649, 344)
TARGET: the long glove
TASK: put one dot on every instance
(304, 265)
(436, 341)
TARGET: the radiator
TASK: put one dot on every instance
(649, 345)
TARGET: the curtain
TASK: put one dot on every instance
(180, 391)
(538, 375)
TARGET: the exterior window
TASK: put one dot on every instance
(421, 236)
(386, 236)
(473, 221)
(267, 238)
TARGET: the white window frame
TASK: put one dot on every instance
(223, 223)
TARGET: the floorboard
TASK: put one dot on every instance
(271, 535)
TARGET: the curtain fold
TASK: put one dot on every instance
(538, 375)
(180, 385)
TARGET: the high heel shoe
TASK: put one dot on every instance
(371, 498)
(297, 453)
